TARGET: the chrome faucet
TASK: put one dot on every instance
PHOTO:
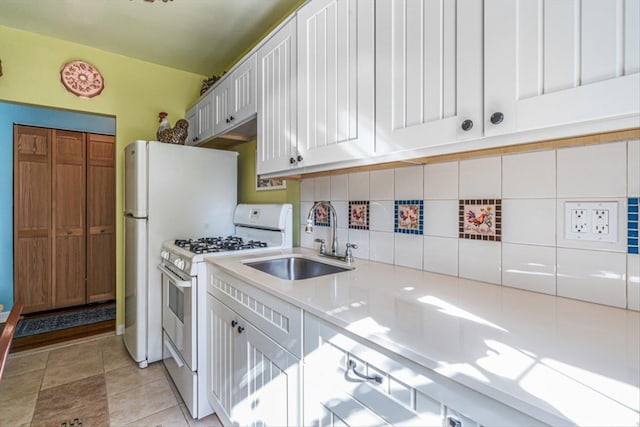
(348, 256)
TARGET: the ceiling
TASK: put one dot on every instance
(200, 36)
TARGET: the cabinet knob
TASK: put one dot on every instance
(467, 125)
(234, 323)
(228, 121)
(102, 230)
(292, 160)
(452, 422)
(240, 329)
(231, 118)
(497, 118)
(69, 232)
(299, 158)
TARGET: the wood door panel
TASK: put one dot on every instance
(32, 284)
(70, 268)
(69, 147)
(32, 217)
(101, 278)
(100, 150)
(101, 263)
(69, 196)
(32, 141)
(69, 213)
(101, 196)
(32, 201)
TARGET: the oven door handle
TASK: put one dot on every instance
(177, 280)
(173, 354)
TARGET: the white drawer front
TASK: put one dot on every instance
(404, 394)
(278, 319)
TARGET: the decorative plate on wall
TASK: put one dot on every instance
(82, 79)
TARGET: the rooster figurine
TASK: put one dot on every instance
(164, 123)
(176, 135)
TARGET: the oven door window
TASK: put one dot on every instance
(175, 301)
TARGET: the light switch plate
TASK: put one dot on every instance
(591, 221)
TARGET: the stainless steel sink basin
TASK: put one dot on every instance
(296, 268)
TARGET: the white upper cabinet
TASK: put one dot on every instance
(335, 81)
(192, 118)
(428, 73)
(234, 98)
(200, 118)
(557, 62)
(276, 146)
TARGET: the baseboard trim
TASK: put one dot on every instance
(119, 329)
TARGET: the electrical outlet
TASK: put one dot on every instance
(579, 222)
(591, 221)
(600, 221)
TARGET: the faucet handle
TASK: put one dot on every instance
(348, 254)
(323, 246)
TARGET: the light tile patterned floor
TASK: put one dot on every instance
(94, 380)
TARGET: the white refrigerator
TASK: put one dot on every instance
(170, 191)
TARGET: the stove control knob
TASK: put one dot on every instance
(182, 264)
(176, 262)
(164, 255)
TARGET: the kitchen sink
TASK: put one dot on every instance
(296, 268)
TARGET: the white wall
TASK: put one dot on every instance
(532, 254)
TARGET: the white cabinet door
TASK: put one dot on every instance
(251, 379)
(243, 81)
(266, 385)
(205, 117)
(221, 357)
(192, 118)
(276, 146)
(556, 62)
(335, 81)
(234, 98)
(221, 100)
(428, 73)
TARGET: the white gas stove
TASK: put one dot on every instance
(258, 228)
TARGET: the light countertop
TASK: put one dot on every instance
(573, 360)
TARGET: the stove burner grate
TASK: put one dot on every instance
(205, 245)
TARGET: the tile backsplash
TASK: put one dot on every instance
(496, 219)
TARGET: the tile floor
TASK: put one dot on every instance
(93, 380)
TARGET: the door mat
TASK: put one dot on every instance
(56, 322)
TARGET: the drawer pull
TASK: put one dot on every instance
(352, 365)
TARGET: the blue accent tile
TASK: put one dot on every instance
(633, 250)
(633, 225)
(634, 201)
(633, 209)
(633, 217)
(633, 242)
(632, 233)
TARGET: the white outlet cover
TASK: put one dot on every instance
(598, 224)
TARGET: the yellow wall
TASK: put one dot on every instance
(135, 91)
(247, 186)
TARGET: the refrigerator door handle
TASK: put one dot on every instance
(178, 281)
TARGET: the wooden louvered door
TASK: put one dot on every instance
(32, 218)
(69, 212)
(101, 201)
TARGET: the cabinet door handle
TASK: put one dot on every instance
(240, 329)
(352, 365)
(234, 323)
(69, 232)
(467, 125)
(292, 160)
(228, 121)
(452, 422)
(497, 118)
(299, 158)
(231, 118)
